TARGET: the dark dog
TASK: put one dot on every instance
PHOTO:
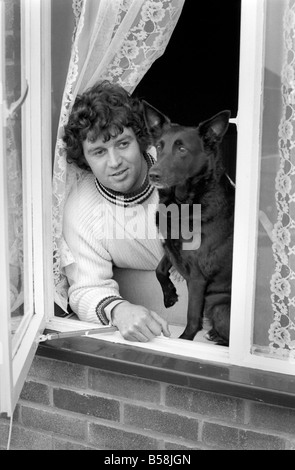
(189, 170)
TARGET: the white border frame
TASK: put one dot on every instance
(249, 121)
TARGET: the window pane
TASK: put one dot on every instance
(274, 322)
(18, 255)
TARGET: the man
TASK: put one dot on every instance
(109, 214)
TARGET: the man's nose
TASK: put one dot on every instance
(115, 158)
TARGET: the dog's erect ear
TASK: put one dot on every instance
(154, 119)
(213, 130)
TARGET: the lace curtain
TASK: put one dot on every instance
(13, 156)
(116, 40)
(15, 214)
(282, 329)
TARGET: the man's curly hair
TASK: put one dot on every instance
(102, 111)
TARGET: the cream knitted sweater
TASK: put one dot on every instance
(104, 229)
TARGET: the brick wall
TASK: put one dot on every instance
(69, 406)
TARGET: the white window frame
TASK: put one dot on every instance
(249, 127)
(16, 359)
(249, 122)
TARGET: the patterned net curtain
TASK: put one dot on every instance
(14, 156)
(116, 40)
(15, 214)
(282, 329)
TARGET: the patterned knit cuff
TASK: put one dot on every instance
(101, 306)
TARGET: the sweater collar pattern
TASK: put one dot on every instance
(129, 199)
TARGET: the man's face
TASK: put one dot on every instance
(117, 164)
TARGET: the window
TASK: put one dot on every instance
(252, 222)
(262, 333)
(25, 206)
(262, 320)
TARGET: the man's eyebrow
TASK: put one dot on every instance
(120, 138)
(124, 137)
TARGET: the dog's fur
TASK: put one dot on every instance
(189, 170)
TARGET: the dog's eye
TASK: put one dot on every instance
(158, 147)
(179, 145)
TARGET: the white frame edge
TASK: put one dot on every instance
(5, 340)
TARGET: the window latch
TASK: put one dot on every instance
(234, 120)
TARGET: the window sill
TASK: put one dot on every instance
(241, 382)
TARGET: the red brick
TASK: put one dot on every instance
(63, 373)
(205, 403)
(161, 421)
(61, 444)
(250, 440)
(4, 432)
(118, 439)
(11, 78)
(35, 392)
(290, 445)
(185, 446)
(9, 47)
(124, 386)
(224, 437)
(55, 422)
(28, 439)
(9, 14)
(4, 426)
(272, 418)
(83, 403)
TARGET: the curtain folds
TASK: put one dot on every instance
(116, 40)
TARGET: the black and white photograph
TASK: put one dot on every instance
(147, 235)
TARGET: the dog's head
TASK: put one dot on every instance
(183, 152)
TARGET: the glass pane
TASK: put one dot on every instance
(274, 322)
(13, 90)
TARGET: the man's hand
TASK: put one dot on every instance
(137, 323)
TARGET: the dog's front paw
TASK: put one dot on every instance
(212, 335)
(187, 336)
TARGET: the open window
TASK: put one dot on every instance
(25, 194)
(260, 137)
(236, 76)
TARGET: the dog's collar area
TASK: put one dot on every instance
(187, 195)
(186, 198)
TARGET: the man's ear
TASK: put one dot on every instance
(154, 119)
(213, 130)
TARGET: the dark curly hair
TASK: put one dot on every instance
(102, 111)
